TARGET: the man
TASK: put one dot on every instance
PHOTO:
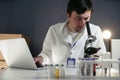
(67, 40)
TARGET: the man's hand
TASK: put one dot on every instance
(38, 59)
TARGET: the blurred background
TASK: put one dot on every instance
(33, 18)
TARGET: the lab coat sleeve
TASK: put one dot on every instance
(46, 52)
(100, 42)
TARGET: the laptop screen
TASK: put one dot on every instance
(16, 53)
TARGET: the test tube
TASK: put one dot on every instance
(50, 70)
(81, 67)
(93, 67)
(87, 67)
(109, 69)
(57, 71)
(45, 70)
(62, 71)
(119, 65)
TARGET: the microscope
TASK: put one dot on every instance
(88, 49)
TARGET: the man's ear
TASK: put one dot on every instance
(68, 16)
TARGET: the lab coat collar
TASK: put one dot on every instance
(66, 37)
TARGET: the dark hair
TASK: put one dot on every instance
(80, 6)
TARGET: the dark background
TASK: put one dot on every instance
(33, 17)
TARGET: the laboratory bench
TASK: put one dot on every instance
(40, 74)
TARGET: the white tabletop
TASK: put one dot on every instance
(25, 74)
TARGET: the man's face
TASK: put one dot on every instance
(76, 22)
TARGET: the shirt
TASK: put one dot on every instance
(56, 49)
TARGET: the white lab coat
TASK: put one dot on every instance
(56, 49)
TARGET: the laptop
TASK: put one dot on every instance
(17, 54)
